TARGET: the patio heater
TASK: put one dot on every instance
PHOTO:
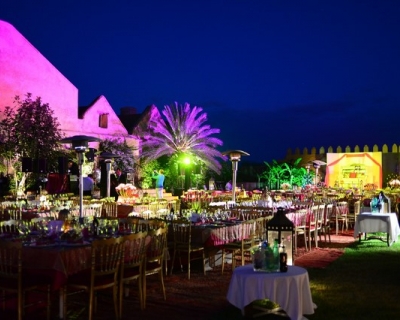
(282, 229)
(108, 158)
(80, 145)
(234, 156)
(317, 164)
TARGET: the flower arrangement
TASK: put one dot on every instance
(394, 183)
(285, 186)
(370, 187)
(127, 190)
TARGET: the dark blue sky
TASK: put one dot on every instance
(271, 74)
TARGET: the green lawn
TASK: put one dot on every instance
(364, 283)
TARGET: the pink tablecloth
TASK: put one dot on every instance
(58, 261)
(219, 235)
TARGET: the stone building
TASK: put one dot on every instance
(24, 69)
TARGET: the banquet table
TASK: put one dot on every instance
(291, 290)
(213, 235)
(377, 222)
(59, 262)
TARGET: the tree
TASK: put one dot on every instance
(274, 174)
(119, 147)
(183, 133)
(278, 173)
(29, 129)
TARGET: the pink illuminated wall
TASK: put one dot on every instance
(24, 69)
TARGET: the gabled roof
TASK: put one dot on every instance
(82, 109)
(137, 121)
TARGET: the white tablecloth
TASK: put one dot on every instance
(378, 222)
(291, 290)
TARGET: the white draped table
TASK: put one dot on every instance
(377, 222)
(291, 290)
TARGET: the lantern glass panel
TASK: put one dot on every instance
(284, 236)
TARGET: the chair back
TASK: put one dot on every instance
(261, 229)
(9, 226)
(10, 261)
(93, 209)
(134, 251)
(357, 208)
(248, 232)
(147, 214)
(157, 245)
(342, 209)
(14, 213)
(106, 257)
(154, 224)
(329, 212)
(111, 209)
(182, 232)
(135, 224)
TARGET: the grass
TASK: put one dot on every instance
(362, 284)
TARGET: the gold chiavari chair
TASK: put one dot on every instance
(155, 259)
(326, 222)
(14, 280)
(244, 241)
(132, 266)
(111, 209)
(107, 255)
(182, 234)
(299, 219)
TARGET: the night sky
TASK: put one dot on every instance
(271, 74)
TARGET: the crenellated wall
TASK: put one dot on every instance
(322, 150)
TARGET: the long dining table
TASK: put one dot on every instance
(58, 261)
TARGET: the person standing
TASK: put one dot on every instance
(121, 177)
(73, 172)
(159, 177)
(88, 184)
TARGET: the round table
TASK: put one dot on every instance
(291, 290)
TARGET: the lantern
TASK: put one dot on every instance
(281, 228)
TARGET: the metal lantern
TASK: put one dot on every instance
(281, 228)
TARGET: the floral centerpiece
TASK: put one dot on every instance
(285, 186)
(394, 183)
(369, 186)
(127, 193)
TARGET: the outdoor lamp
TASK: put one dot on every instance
(108, 159)
(282, 229)
(317, 164)
(234, 156)
(80, 145)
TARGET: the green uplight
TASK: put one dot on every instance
(186, 160)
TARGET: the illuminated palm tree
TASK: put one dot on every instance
(183, 132)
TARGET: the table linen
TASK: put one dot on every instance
(291, 290)
(378, 222)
